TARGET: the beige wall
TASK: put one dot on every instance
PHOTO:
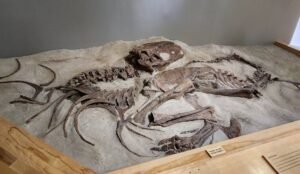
(30, 26)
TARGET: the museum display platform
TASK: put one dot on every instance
(268, 138)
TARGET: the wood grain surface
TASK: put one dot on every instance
(22, 153)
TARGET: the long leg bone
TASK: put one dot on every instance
(242, 92)
(176, 92)
(168, 120)
(297, 84)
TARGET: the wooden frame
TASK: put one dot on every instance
(21, 153)
(288, 48)
(243, 154)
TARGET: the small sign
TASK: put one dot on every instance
(284, 162)
(215, 151)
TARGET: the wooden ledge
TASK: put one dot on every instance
(243, 154)
(22, 153)
(288, 48)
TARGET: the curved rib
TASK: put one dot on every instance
(85, 97)
(37, 114)
(86, 105)
(137, 133)
(56, 106)
(44, 109)
(119, 129)
(15, 71)
(51, 80)
(38, 89)
(27, 100)
(76, 123)
(120, 126)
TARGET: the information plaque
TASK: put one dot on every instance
(284, 162)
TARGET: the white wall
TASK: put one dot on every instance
(295, 41)
(30, 26)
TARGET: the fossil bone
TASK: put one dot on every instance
(207, 80)
(38, 88)
(260, 77)
(178, 144)
(169, 84)
(234, 130)
(155, 55)
(168, 120)
(102, 75)
(176, 92)
(13, 72)
(51, 80)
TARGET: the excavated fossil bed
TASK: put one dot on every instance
(279, 104)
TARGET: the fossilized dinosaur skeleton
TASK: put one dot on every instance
(169, 84)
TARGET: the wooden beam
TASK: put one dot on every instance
(288, 48)
(243, 154)
(23, 153)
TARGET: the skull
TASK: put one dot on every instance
(155, 55)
